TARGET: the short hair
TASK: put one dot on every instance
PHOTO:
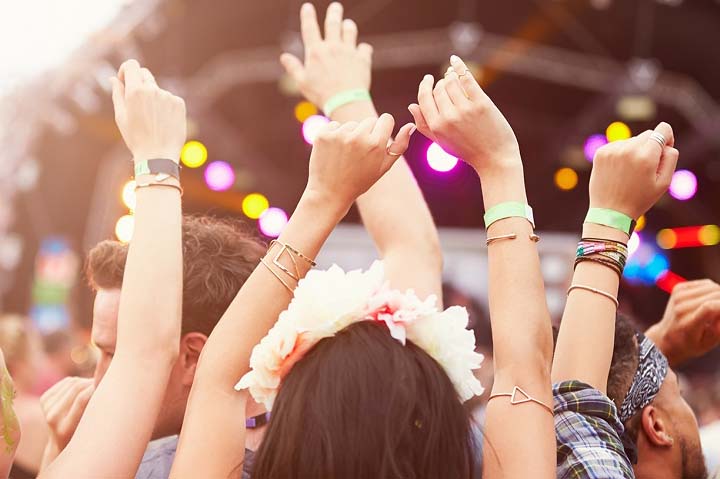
(624, 365)
(218, 257)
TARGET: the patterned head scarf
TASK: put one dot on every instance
(650, 375)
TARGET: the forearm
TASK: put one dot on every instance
(675, 355)
(585, 342)
(52, 451)
(412, 253)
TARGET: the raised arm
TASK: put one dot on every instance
(116, 426)
(458, 115)
(337, 71)
(346, 160)
(628, 177)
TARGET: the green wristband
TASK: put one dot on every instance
(157, 166)
(613, 219)
(345, 97)
(511, 209)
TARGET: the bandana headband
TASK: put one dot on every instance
(651, 371)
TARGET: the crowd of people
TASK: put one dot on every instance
(223, 357)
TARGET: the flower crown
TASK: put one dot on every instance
(326, 302)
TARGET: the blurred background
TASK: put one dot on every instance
(570, 75)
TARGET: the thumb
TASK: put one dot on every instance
(420, 120)
(293, 66)
(398, 147)
(118, 95)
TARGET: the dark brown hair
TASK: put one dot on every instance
(362, 405)
(218, 256)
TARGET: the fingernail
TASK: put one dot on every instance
(455, 58)
(412, 130)
(427, 77)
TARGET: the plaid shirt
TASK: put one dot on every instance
(588, 434)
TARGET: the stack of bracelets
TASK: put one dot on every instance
(612, 254)
(294, 255)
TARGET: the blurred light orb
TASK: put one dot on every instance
(640, 224)
(617, 130)
(566, 179)
(683, 185)
(633, 243)
(440, 160)
(312, 126)
(272, 222)
(193, 154)
(593, 144)
(305, 110)
(129, 198)
(709, 235)
(666, 238)
(124, 228)
(254, 205)
(219, 176)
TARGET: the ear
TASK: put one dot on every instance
(191, 346)
(655, 427)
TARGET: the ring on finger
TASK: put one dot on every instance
(390, 153)
(659, 137)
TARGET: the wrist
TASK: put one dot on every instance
(658, 334)
(333, 205)
(592, 230)
(356, 111)
(170, 154)
(503, 183)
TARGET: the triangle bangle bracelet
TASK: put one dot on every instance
(519, 396)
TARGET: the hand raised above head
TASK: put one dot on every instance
(347, 160)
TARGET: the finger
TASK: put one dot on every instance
(455, 90)
(402, 140)
(333, 22)
(365, 50)
(147, 77)
(366, 126)
(133, 77)
(349, 32)
(652, 144)
(426, 101)
(382, 131)
(63, 402)
(442, 99)
(694, 305)
(420, 121)
(309, 28)
(81, 401)
(668, 163)
(333, 125)
(467, 80)
(51, 394)
(293, 66)
(348, 127)
(118, 96)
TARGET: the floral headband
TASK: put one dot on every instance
(326, 302)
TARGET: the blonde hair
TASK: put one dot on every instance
(15, 339)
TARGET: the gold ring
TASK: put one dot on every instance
(394, 155)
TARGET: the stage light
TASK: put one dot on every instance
(617, 130)
(440, 160)
(193, 154)
(636, 107)
(668, 281)
(566, 179)
(254, 205)
(312, 126)
(593, 144)
(633, 243)
(124, 228)
(272, 222)
(666, 238)
(683, 185)
(128, 195)
(640, 224)
(219, 176)
(646, 265)
(305, 110)
(688, 237)
(709, 235)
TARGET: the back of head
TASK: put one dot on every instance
(624, 360)
(360, 405)
(218, 256)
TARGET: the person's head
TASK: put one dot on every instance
(23, 351)
(360, 404)
(665, 431)
(218, 256)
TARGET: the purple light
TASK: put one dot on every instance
(219, 176)
(272, 222)
(312, 126)
(683, 185)
(633, 243)
(593, 144)
(440, 160)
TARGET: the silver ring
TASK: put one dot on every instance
(659, 137)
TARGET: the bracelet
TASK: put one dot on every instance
(281, 267)
(610, 253)
(160, 183)
(345, 97)
(610, 264)
(596, 291)
(158, 166)
(533, 237)
(294, 251)
(509, 209)
(514, 400)
(262, 260)
(613, 219)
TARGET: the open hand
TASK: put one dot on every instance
(151, 120)
(332, 64)
(63, 406)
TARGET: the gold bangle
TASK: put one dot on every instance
(514, 400)
(294, 251)
(281, 267)
(511, 236)
(167, 185)
(277, 276)
(596, 291)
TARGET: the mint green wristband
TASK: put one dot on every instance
(345, 97)
(510, 209)
(613, 219)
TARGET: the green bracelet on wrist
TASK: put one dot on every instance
(345, 97)
(158, 166)
(510, 209)
(611, 218)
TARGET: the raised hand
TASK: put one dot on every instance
(690, 326)
(332, 64)
(151, 120)
(460, 117)
(347, 160)
(629, 176)
(63, 405)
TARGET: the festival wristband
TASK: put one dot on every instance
(159, 166)
(345, 97)
(510, 209)
(613, 219)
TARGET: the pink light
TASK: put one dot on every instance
(683, 185)
(439, 159)
(312, 126)
(219, 176)
(272, 222)
(633, 243)
(593, 144)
